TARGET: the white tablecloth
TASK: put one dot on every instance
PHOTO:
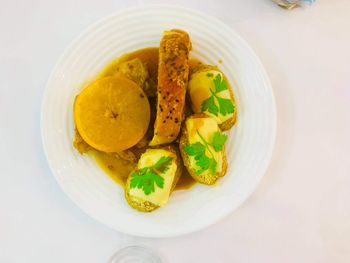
(300, 211)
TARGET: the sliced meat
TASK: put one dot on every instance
(173, 73)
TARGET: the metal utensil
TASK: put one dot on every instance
(290, 4)
(286, 4)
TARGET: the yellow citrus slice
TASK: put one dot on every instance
(112, 114)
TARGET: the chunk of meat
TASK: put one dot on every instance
(173, 73)
(134, 70)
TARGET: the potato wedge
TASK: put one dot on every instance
(210, 93)
(150, 185)
(202, 147)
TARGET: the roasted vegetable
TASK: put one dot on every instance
(149, 186)
(134, 70)
(202, 146)
(210, 93)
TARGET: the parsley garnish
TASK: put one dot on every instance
(146, 177)
(219, 140)
(198, 151)
(215, 104)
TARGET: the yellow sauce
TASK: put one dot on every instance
(149, 56)
(185, 182)
(117, 169)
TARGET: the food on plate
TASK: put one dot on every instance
(134, 70)
(173, 72)
(112, 114)
(138, 67)
(80, 144)
(151, 183)
(210, 93)
(117, 166)
(130, 117)
(202, 147)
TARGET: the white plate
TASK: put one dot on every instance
(250, 143)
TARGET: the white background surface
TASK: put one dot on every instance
(300, 211)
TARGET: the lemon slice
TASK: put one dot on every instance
(112, 114)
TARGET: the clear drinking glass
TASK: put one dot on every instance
(135, 254)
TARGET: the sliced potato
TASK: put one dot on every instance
(202, 146)
(149, 186)
(211, 94)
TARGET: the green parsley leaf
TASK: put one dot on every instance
(198, 150)
(209, 105)
(219, 140)
(215, 104)
(210, 75)
(134, 181)
(146, 177)
(159, 180)
(148, 184)
(162, 165)
(195, 149)
(143, 171)
(203, 162)
(225, 105)
(220, 83)
(213, 166)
